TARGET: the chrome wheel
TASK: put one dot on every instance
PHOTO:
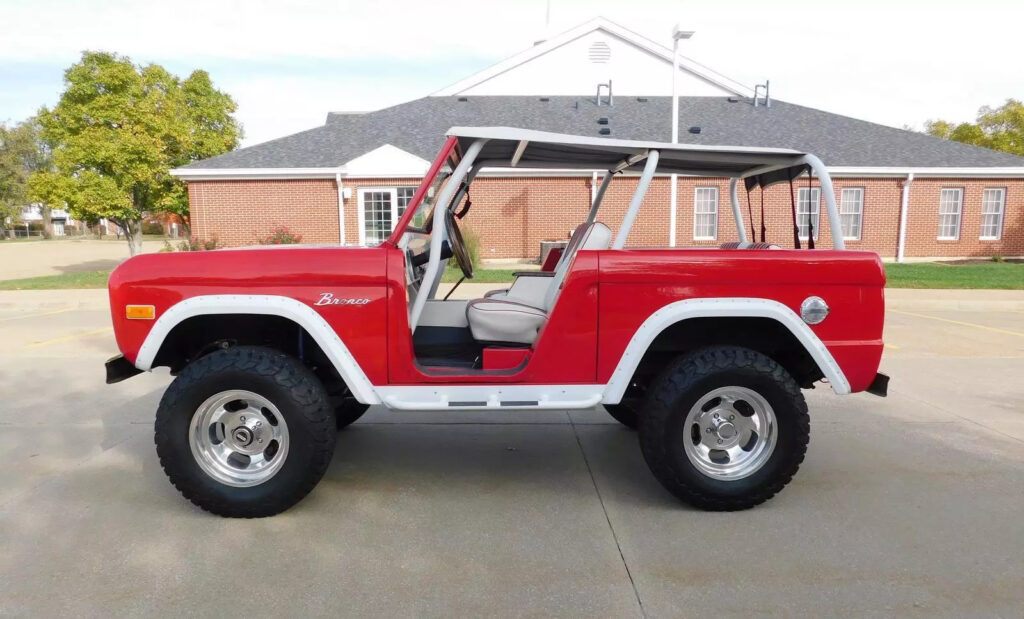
(730, 433)
(239, 438)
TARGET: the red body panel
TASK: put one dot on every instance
(606, 296)
(635, 283)
(300, 273)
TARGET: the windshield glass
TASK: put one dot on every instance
(415, 238)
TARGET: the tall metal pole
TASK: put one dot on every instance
(675, 138)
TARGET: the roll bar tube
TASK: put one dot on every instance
(818, 168)
(592, 215)
(737, 214)
(454, 182)
(637, 200)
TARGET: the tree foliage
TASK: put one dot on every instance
(119, 129)
(21, 155)
(999, 128)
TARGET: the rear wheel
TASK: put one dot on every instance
(724, 428)
(245, 432)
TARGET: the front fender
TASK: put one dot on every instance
(273, 305)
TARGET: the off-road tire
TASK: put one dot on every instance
(294, 390)
(625, 412)
(681, 385)
(346, 413)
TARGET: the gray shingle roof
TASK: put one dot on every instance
(419, 126)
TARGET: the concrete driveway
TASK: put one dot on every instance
(20, 259)
(909, 505)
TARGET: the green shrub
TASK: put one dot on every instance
(194, 244)
(997, 258)
(152, 227)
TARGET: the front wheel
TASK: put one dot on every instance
(245, 432)
(724, 428)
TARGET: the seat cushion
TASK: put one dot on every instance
(504, 320)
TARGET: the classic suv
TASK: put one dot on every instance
(704, 351)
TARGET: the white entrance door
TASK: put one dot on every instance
(378, 214)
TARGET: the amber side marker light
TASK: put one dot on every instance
(139, 312)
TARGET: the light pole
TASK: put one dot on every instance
(677, 35)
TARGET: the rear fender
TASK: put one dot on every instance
(293, 310)
(736, 307)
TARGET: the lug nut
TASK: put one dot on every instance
(243, 417)
(716, 415)
(731, 417)
(719, 441)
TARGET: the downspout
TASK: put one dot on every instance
(341, 208)
(904, 201)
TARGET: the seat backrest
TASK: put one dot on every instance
(594, 235)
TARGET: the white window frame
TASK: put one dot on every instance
(1000, 214)
(959, 213)
(852, 208)
(813, 202)
(713, 213)
(395, 212)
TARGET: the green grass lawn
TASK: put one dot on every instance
(85, 279)
(991, 275)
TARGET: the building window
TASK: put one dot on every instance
(808, 211)
(851, 212)
(405, 195)
(950, 206)
(379, 210)
(705, 213)
(993, 202)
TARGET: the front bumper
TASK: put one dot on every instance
(119, 368)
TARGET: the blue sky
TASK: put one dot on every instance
(288, 64)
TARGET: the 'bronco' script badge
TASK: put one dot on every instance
(327, 298)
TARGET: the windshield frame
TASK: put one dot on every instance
(450, 154)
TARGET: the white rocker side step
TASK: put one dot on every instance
(482, 397)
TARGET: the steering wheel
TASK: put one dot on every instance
(458, 245)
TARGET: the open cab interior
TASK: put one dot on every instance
(500, 334)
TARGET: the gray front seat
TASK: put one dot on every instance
(512, 320)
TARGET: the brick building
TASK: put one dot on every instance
(901, 194)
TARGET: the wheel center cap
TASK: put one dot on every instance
(242, 436)
(725, 431)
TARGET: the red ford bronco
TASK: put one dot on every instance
(703, 351)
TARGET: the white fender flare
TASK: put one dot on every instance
(727, 307)
(268, 305)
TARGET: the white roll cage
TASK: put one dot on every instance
(507, 147)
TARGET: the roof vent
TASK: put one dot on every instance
(545, 98)
(599, 52)
(695, 130)
(642, 99)
(603, 120)
(463, 99)
(604, 131)
(733, 99)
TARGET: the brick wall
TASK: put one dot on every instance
(239, 212)
(513, 215)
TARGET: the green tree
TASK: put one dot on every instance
(119, 129)
(999, 128)
(21, 154)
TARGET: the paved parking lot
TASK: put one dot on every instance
(909, 505)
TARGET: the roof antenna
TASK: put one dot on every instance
(767, 97)
(547, 23)
(611, 101)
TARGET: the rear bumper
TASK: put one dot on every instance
(879, 386)
(119, 368)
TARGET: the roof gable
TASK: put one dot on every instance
(387, 160)
(560, 66)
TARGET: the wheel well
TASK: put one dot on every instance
(198, 336)
(765, 335)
